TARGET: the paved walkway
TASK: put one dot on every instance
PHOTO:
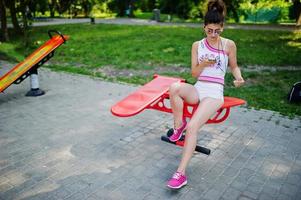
(133, 21)
(67, 145)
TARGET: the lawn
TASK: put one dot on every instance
(133, 53)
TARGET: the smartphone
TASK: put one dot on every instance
(211, 59)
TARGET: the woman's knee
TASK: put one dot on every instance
(174, 88)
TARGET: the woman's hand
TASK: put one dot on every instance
(207, 62)
(239, 82)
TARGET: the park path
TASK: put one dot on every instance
(133, 21)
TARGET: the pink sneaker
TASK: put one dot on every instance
(177, 181)
(178, 132)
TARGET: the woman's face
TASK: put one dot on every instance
(213, 31)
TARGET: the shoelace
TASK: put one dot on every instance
(177, 176)
(178, 129)
(175, 131)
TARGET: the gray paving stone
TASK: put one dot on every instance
(61, 193)
(254, 187)
(212, 194)
(244, 198)
(231, 171)
(293, 178)
(192, 195)
(5, 187)
(231, 193)
(151, 197)
(250, 195)
(244, 175)
(239, 185)
(289, 189)
(258, 178)
(92, 197)
(284, 196)
(265, 196)
(270, 190)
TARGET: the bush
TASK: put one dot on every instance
(263, 15)
(265, 11)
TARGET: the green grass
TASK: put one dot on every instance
(146, 46)
(9, 52)
(143, 48)
(267, 90)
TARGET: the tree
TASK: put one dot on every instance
(11, 4)
(24, 10)
(52, 5)
(121, 6)
(63, 5)
(232, 7)
(4, 31)
(297, 11)
(183, 8)
(87, 6)
(147, 5)
(37, 5)
(180, 8)
(169, 6)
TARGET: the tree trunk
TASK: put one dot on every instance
(297, 11)
(51, 8)
(24, 16)
(4, 31)
(87, 8)
(234, 12)
(13, 13)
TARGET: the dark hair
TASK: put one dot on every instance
(216, 12)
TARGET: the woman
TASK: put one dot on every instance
(209, 60)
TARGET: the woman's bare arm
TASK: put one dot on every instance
(233, 64)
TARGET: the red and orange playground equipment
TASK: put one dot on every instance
(154, 95)
(29, 67)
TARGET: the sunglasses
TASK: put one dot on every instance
(211, 31)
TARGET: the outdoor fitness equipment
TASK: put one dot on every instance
(29, 67)
(154, 95)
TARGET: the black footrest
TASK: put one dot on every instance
(200, 149)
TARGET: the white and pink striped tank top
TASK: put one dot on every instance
(216, 72)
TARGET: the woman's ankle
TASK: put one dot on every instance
(179, 124)
(182, 171)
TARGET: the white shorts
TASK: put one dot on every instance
(209, 89)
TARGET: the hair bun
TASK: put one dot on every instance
(217, 5)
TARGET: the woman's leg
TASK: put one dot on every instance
(178, 93)
(207, 107)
